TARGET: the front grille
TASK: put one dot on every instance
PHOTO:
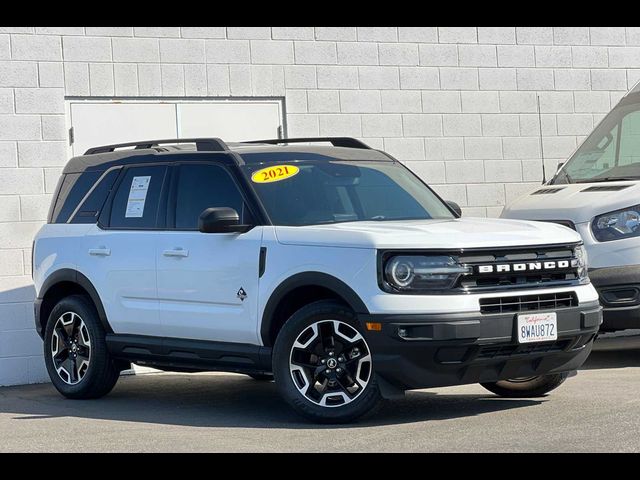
(606, 188)
(493, 351)
(528, 303)
(517, 277)
(547, 191)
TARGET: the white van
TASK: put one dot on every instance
(597, 193)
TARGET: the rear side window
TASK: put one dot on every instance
(204, 186)
(73, 188)
(135, 204)
(90, 208)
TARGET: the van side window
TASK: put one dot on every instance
(90, 208)
(135, 204)
(201, 187)
(630, 139)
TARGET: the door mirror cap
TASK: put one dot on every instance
(221, 220)
(455, 207)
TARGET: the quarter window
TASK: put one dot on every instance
(90, 208)
(72, 190)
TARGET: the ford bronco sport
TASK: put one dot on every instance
(332, 269)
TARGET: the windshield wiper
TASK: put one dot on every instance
(607, 179)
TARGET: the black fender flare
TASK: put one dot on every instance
(308, 279)
(73, 276)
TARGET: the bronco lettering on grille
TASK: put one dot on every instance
(527, 267)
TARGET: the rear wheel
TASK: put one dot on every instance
(75, 351)
(323, 366)
(526, 387)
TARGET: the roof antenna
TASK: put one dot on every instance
(544, 175)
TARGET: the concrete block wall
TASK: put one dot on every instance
(457, 104)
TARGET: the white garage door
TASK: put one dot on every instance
(99, 123)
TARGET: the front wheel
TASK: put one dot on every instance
(323, 366)
(527, 387)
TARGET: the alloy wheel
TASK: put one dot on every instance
(330, 363)
(71, 348)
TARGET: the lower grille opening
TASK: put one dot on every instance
(528, 303)
(493, 351)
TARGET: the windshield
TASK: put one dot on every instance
(316, 192)
(611, 152)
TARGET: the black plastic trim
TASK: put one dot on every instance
(466, 325)
(73, 276)
(317, 279)
(190, 354)
(262, 264)
(454, 349)
(618, 315)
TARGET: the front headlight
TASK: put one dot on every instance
(617, 225)
(421, 272)
(582, 262)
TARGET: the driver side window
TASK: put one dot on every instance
(608, 145)
(630, 139)
(203, 186)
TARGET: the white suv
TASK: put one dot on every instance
(331, 268)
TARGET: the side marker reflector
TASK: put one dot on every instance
(374, 326)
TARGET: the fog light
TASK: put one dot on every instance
(402, 333)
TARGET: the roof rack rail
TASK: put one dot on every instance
(202, 145)
(335, 141)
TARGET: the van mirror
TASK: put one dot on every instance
(455, 207)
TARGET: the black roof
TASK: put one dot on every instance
(159, 151)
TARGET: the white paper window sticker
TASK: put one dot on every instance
(137, 197)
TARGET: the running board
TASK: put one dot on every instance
(184, 354)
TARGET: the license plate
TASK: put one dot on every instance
(537, 327)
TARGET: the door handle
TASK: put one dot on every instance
(176, 252)
(101, 252)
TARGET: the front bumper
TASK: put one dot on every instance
(619, 291)
(456, 349)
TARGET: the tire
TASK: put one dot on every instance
(86, 370)
(527, 387)
(261, 377)
(343, 365)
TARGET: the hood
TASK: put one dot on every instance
(454, 233)
(578, 202)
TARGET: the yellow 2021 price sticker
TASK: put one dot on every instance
(274, 173)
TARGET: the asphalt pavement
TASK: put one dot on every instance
(596, 411)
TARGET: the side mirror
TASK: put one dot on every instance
(560, 164)
(221, 220)
(455, 207)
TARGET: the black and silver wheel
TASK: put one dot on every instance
(70, 348)
(323, 365)
(527, 387)
(75, 350)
